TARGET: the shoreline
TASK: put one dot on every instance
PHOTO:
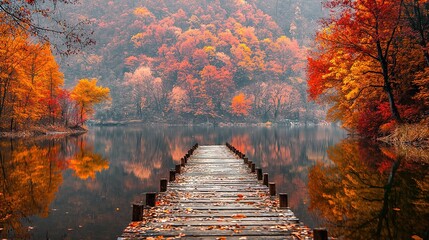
(205, 124)
(42, 131)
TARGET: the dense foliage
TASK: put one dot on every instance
(31, 83)
(371, 63)
(187, 60)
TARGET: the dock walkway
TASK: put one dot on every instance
(216, 196)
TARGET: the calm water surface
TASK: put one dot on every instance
(82, 187)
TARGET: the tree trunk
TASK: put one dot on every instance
(387, 85)
(393, 108)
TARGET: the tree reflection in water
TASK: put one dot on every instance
(31, 174)
(30, 177)
(86, 163)
(370, 192)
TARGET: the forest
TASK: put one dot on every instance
(199, 61)
(188, 62)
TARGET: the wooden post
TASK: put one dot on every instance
(265, 181)
(178, 168)
(246, 160)
(151, 199)
(163, 185)
(249, 164)
(172, 175)
(182, 162)
(320, 234)
(243, 155)
(272, 188)
(259, 173)
(253, 168)
(283, 202)
(138, 209)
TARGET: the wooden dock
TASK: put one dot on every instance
(217, 195)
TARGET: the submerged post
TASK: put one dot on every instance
(320, 234)
(138, 210)
(283, 202)
(163, 185)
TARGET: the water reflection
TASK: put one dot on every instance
(30, 177)
(86, 163)
(90, 180)
(370, 192)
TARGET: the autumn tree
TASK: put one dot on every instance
(86, 93)
(368, 30)
(365, 60)
(240, 105)
(30, 81)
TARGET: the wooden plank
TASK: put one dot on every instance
(215, 196)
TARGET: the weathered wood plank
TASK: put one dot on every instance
(214, 197)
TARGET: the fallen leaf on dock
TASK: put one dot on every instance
(238, 216)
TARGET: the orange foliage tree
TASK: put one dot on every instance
(30, 80)
(366, 55)
(240, 105)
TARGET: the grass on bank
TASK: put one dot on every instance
(409, 134)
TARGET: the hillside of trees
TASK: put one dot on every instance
(198, 61)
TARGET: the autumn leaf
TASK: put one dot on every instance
(238, 216)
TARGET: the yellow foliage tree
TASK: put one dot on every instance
(87, 94)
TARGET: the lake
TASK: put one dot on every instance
(82, 187)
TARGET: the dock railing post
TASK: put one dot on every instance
(272, 188)
(172, 175)
(259, 173)
(320, 234)
(265, 179)
(252, 169)
(151, 199)
(163, 185)
(138, 209)
(283, 201)
(178, 168)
